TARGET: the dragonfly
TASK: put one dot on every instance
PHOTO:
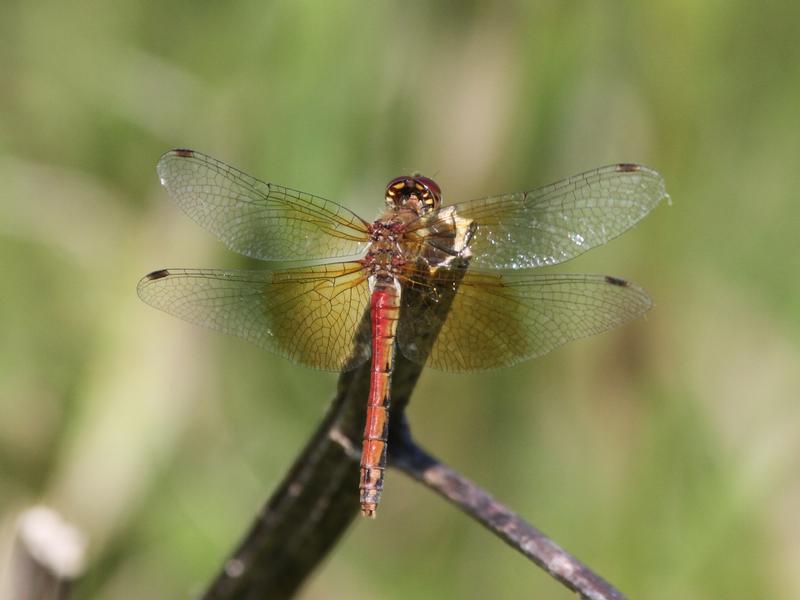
(326, 267)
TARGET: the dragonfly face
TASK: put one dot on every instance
(402, 241)
(502, 313)
(415, 192)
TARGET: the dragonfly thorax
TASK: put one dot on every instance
(385, 255)
(414, 192)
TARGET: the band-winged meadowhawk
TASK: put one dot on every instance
(501, 312)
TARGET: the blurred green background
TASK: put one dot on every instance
(665, 454)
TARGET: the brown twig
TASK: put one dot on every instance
(504, 523)
(308, 512)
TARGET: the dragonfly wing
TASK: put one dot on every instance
(500, 319)
(258, 219)
(310, 315)
(552, 224)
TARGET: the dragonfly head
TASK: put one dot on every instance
(420, 194)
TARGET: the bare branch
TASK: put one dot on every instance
(504, 523)
(308, 512)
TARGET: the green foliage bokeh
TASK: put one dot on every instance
(664, 454)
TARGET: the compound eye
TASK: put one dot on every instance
(397, 187)
(425, 191)
(431, 185)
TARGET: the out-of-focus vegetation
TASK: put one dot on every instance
(665, 454)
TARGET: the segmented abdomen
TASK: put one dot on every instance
(384, 313)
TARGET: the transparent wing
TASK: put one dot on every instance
(258, 219)
(552, 224)
(310, 315)
(500, 319)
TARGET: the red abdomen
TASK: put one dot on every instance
(384, 312)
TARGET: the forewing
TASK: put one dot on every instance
(258, 219)
(498, 320)
(552, 224)
(309, 315)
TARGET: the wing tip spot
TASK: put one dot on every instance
(628, 167)
(617, 281)
(160, 274)
(183, 152)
